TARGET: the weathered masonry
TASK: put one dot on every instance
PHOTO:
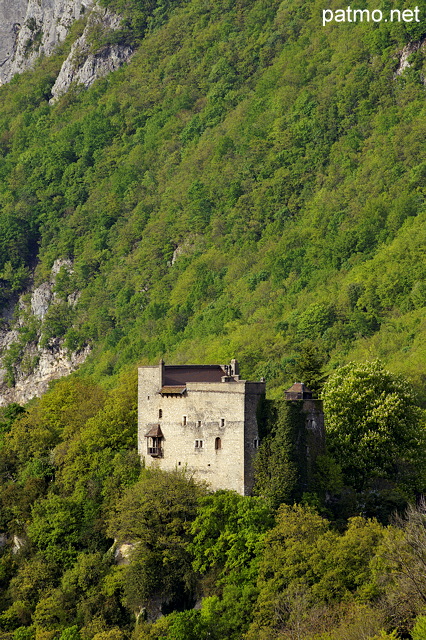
(309, 436)
(202, 418)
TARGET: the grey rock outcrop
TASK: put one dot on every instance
(405, 54)
(41, 299)
(47, 362)
(53, 363)
(30, 28)
(123, 551)
(83, 66)
(12, 19)
(18, 544)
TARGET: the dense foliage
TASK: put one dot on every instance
(252, 183)
(374, 427)
(95, 547)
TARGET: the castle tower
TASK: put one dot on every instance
(310, 439)
(202, 418)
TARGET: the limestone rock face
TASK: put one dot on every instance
(30, 28)
(53, 363)
(83, 66)
(404, 56)
(37, 363)
(123, 552)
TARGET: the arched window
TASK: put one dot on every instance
(218, 444)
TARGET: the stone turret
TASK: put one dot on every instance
(310, 440)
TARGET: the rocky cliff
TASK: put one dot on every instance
(84, 65)
(28, 363)
(31, 28)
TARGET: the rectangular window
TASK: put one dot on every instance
(222, 422)
(199, 423)
(198, 444)
(184, 420)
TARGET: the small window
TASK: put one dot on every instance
(199, 423)
(222, 422)
(184, 420)
(218, 444)
(198, 444)
(160, 413)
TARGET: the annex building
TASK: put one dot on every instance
(202, 418)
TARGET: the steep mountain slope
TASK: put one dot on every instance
(251, 184)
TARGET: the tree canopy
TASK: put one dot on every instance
(374, 426)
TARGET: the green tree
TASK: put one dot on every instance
(58, 414)
(374, 427)
(228, 530)
(228, 534)
(399, 567)
(155, 515)
(306, 569)
(288, 567)
(308, 365)
(419, 629)
(24, 633)
(70, 633)
(56, 527)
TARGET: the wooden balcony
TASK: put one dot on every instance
(155, 452)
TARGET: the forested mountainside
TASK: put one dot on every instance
(250, 184)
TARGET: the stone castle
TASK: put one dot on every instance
(204, 418)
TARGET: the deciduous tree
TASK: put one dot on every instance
(374, 427)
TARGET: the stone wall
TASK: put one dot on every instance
(307, 419)
(255, 393)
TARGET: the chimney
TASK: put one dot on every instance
(235, 369)
(161, 369)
